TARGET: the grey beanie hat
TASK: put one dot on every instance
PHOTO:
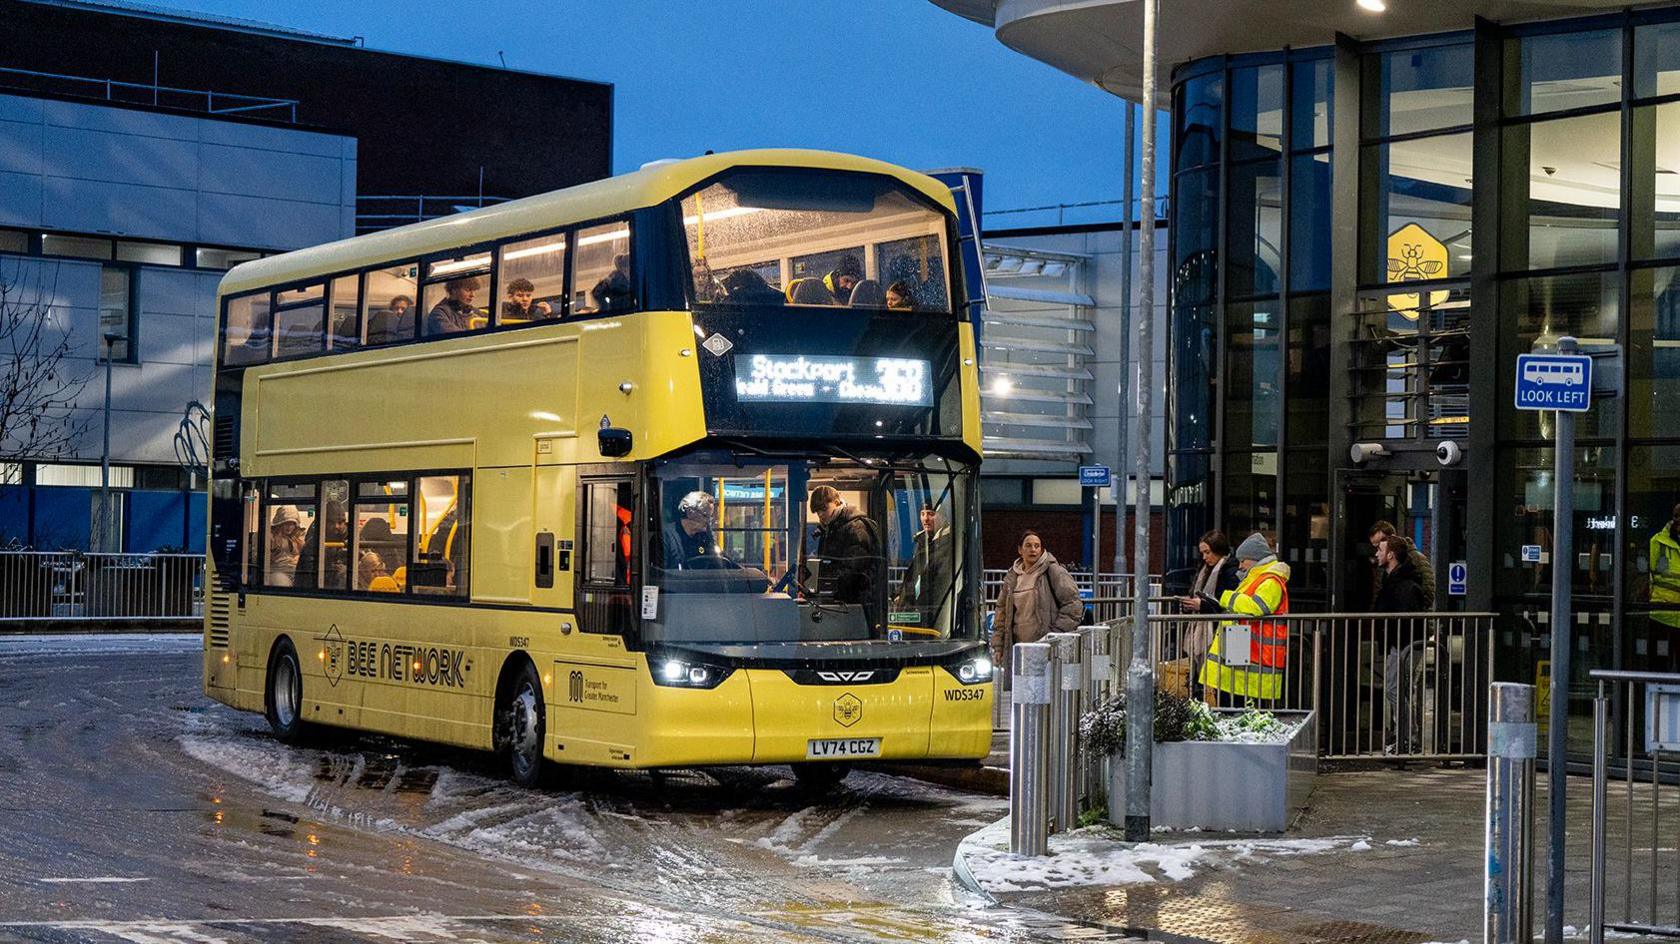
(1254, 548)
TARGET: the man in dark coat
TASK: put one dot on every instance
(927, 581)
(1401, 590)
(850, 545)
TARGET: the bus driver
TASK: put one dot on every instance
(690, 536)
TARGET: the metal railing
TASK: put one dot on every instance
(1646, 870)
(1402, 686)
(46, 586)
(162, 96)
(375, 212)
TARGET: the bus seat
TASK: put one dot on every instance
(385, 583)
(400, 577)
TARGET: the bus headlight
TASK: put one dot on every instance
(680, 674)
(975, 670)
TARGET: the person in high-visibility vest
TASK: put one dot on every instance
(1665, 574)
(1262, 592)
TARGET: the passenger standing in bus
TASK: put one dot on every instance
(285, 543)
(690, 536)
(519, 305)
(1038, 597)
(850, 546)
(453, 313)
(927, 581)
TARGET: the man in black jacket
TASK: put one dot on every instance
(850, 546)
(927, 582)
(1401, 589)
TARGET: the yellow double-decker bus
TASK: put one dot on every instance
(667, 470)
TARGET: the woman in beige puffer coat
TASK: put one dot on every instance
(1038, 597)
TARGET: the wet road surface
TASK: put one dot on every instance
(135, 809)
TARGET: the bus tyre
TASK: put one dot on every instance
(283, 694)
(819, 779)
(520, 728)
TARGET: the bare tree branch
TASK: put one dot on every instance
(39, 386)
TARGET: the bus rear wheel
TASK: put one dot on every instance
(283, 694)
(819, 779)
(520, 727)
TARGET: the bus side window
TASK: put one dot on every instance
(532, 280)
(440, 548)
(388, 303)
(249, 330)
(603, 281)
(345, 331)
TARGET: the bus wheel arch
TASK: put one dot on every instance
(283, 691)
(519, 726)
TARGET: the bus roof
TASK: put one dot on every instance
(649, 186)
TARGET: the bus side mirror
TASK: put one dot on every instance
(614, 441)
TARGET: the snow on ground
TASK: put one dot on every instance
(278, 772)
(1096, 856)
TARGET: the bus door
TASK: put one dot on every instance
(605, 577)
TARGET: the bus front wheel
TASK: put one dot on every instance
(519, 727)
(283, 694)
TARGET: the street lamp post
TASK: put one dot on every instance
(1140, 675)
(102, 535)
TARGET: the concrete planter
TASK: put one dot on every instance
(1217, 785)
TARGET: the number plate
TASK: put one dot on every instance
(832, 748)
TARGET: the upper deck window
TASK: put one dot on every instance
(785, 237)
(603, 282)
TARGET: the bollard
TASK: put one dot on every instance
(1066, 683)
(1507, 915)
(1095, 669)
(1029, 734)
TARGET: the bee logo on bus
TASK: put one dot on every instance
(332, 654)
(574, 686)
(848, 710)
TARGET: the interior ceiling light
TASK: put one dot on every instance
(1375, 6)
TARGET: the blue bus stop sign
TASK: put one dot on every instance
(1094, 476)
(1554, 382)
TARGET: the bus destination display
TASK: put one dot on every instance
(806, 378)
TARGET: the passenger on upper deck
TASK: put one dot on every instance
(900, 297)
(846, 275)
(520, 307)
(615, 292)
(690, 536)
(453, 313)
(747, 287)
(394, 322)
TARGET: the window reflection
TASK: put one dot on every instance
(1422, 209)
(1572, 192)
(1421, 90)
(1256, 111)
(1566, 70)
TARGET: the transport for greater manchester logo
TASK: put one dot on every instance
(848, 710)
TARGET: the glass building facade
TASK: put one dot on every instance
(1364, 237)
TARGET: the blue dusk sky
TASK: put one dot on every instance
(901, 80)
